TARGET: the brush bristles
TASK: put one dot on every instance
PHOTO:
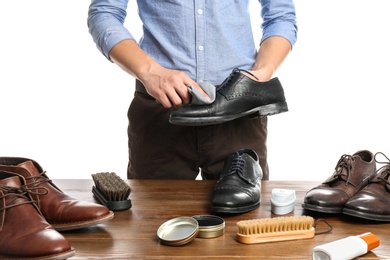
(272, 225)
(111, 186)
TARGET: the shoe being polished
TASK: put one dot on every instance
(351, 174)
(60, 210)
(238, 189)
(238, 96)
(373, 201)
(24, 232)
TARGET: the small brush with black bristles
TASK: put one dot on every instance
(111, 191)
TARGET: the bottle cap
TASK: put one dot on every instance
(282, 201)
(371, 240)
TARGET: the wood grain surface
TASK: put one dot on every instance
(132, 234)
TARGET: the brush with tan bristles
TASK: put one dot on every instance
(275, 229)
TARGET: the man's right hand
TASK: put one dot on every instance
(169, 87)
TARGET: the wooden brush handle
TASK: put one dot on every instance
(275, 236)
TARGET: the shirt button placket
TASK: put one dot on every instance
(200, 39)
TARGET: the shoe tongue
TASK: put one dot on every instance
(30, 167)
(11, 182)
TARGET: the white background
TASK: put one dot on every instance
(64, 105)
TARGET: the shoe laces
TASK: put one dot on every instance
(237, 165)
(383, 172)
(36, 181)
(345, 162)
(17, 193)
(229, 78)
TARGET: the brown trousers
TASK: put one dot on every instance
(161, 150)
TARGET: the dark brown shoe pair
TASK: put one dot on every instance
(356, 188)
(352, 173)
(33, 210)
(373, 201)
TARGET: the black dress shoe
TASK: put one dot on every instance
(373, 201)
(238, 189)
(237, 96)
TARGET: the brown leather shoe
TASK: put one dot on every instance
(351, 175)
(60, 210)
(24, 232)
(373, 201)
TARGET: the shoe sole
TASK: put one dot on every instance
(59, 256)
(322, 209)
(235, 210)
(82, 224)
(64, 255)
(266, 110)
(368, 216)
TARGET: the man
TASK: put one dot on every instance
(185, 43)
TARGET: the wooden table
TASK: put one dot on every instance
(132, 234)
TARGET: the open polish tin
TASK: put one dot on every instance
(182, 230)
(178, 231)
(210, 226)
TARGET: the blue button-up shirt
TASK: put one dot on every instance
(205, 39)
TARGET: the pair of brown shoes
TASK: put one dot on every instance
(33, 210)
(356, 188)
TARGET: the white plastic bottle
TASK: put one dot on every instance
(282, 201)
(346, 248)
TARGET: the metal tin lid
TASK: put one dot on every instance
(178, 231)
(210, 226)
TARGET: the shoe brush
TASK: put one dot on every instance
(111, 191)
(275, 229)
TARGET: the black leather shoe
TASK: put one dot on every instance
(238, 189)
(373, 201)
(237, 96)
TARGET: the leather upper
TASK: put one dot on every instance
(24, 232)
(351, 174)
(373, 201)
(239, 94)
(239, 187)
(60, 210)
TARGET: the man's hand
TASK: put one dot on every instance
(169, 87)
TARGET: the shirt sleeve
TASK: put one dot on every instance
(105, 23)
(279, 19)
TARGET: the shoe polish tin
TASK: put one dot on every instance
(282, 201)
(178, 231)
(210, 226)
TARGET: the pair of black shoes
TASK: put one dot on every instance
(236, 97)
(239, 187)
